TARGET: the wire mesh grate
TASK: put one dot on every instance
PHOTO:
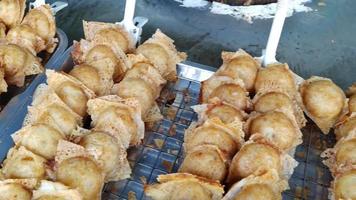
(161, 152)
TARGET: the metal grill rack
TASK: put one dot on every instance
(161, 152)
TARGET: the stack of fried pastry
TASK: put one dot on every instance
(21, 39)
(54, 156)
(341, 159)
(215, 147)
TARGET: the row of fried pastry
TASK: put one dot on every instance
(215, 147)
(53, 146)
(21, 38)
(341, 159)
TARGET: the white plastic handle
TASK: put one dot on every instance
(129, 12)
(37, 3)
(275, 34)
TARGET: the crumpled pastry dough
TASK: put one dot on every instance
(346, 126)
(48, 190)
(2, 31)
(17, 189)
(343, 187)
(351, 93)
(12, 12)
(112, 34)
(184, 186)
(161, 51)
(239, 65)
(323, 101)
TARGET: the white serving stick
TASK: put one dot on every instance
(133, 26)
(56, 6)
(269, 54)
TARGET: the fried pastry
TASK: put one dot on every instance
(88, 52)
(184, 186)
(22, 163)
(112, 34)
(17, 189)
(227, 137)
(3, 84)
(71, 91)
(77, 169)
(109, 153)
(342, 155)
(276, 75)
(323, 101)
(275, 128)
(41, 139)
(239, 65)
(345, 127)
(2, 31)
(48, 190)
(118, 117)
(142, 68)
(343, 186)
(264, 186)
(351, 93)
(18, 63)
(255, 157)
(205, 161)
(160, 50)
(42, 22)
(47, 108)
(25, 36)
(12, 12)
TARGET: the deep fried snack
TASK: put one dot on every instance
(160, 50)
(41, 139)
(227, 137)
(17, 189)
(351, 93)
(2, 31)
(275, 128)
(323, 101)
(343, 186)
(109, 153)
(48, 190)
(184, 186)
(77, 169)
(18, 63)
(255, 157)
(205, 161)
(12, 12)
(3, 84)
(42, 21)
(239, 65)
(89, 52)
(22, 163)
(119, 117)
(345, 127)
(112, 34)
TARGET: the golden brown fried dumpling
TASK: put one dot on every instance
(113, 34)
(118, 117)
(47, 108)
(18, 63)
(42, 21)
(239, 65)
(265, 186)
(3, 84)
(218, 109)
(17, 189)
(346, 127)
(344, 185)
(276, 75)
(109, 153)
(72, 92)
(41, 139)
(25, 36)
(180, 186)
(351, 93)
(88, 52)
(76, 169)
(142, 68)
(205, 161)
(48, 190)
(2, 30)
(22, 163)
(323, 101)
(342, 155)
(12, 12)
(255, 157)
(160, 50)
(275, 100)
(275, 128)
(88, 75)
(227, 137)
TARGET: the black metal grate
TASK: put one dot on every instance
(161, 152)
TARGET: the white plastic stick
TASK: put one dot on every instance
(129, 13)
(275, 34)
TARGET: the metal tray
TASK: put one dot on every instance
(161, 151)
